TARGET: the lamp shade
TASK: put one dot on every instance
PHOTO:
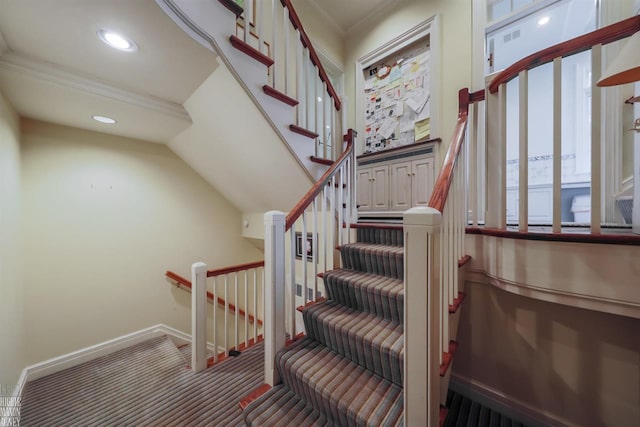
(626, 66)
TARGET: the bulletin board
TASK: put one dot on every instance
(397, 99)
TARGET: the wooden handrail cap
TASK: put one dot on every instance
(422, 215)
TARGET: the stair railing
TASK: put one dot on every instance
(238, 291)
(296, 74)
(300, 245)
(434, 244)
(496, 119)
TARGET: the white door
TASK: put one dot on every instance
(421, 181)
(380, 188)
(363, 189)
(400, 186)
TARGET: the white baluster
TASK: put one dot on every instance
(226, 315)
(274, 330)
(255, 306)
(523, 153)
(199, 317)
(596, 140)
(248, 18)
(246, 309)
(215, 320)
(286, 29)
(236, 341)
(303, 243)
(422, 306)
(325, 227)
(557, 145)
(473, 168)
(293, 284)
(314, 248)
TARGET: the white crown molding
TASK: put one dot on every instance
(341, 31)
(54, 74)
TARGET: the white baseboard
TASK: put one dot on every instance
(498, 401)
(87, 354)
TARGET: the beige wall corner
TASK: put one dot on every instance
(579, 367)
(104, 217)
(11, 285)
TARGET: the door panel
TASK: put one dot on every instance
(380, 188)
(363, 189)
(422, 181)
(401, 186)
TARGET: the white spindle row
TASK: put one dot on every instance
(294, 73)
(238, 331)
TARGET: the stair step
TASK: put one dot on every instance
(345, 392)
(251, 51)
(457, 302)
(372, 342)
(387, 234)
(320, 160)
(274, 93)
(369, 293)
(383, 260)
(302, 131)
(278, 404)
(254, 395)
(447, 358)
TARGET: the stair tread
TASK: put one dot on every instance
(369, 340)
(345, 392)
(388, 234)
(367, 292)
(280, 403)
(375, 258)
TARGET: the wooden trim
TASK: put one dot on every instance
(464, 260)
(310, 303)
(235, 268)
(603, 36)
(251, 51)
(476, 96)
(296, 338)
(408, 147)
(222, 356)
(377, 225)
(447, 357)
(457, 302)
(232, 6)
(253, 395)
(274, 93)
(321, 161)
(299, 208)
(210, 297)
(606, 239)
(445, 178)
(302, 131)
(306, 41)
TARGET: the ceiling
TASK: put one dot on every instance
(53, 67)
(348, 14)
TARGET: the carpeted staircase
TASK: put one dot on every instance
(348, 370)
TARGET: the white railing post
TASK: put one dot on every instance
(199, 317)
(422, 306)
(274, 285)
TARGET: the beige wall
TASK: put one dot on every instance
(11, 290)
(323, 32)
(104, 217)
(583, 366)
(455, 36)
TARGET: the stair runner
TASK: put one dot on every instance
(464, 412)
(349, 368)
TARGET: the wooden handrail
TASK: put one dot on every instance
(445, 178)
(187, 284)
(235, 268)
(605, 35)
(315, 59)
(308, 198)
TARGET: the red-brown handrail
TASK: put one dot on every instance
(308, 198)
(605, 35)
(306, 41)
(187, 284)
(235, 268)
(445, 178)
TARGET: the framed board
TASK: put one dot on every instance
(397, 97)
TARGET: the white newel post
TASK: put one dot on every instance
(422, 306)
(198, 316)
(274, 282)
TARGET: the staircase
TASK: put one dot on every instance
(348, 370)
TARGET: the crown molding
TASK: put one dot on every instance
(52, 73)
(376, 11)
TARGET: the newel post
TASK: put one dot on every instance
(274, 282)
(422, 308)
(198, 316)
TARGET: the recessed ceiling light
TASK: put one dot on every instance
(103, 119)
(117, 41)
(543, 21)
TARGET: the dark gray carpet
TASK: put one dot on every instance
(147, 384)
